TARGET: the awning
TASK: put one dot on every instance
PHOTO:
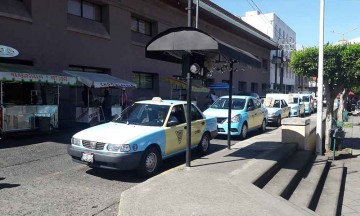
(173, 43)
(98, 80)
(25, 73)
(183, 84)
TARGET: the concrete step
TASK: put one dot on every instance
(262, 168)
(289, 176)
(308, 191)
(330, 201)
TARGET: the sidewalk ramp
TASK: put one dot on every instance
(308, 181)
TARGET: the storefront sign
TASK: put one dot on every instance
(29, 77)
(8, 52)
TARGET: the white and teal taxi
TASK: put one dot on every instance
(142, 136)
(247, 114)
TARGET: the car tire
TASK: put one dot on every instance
(278, 121)
(149, 163)
(263, 126)
(244, 131)
(204, 145)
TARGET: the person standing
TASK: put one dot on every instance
(214, 97)
(106, 105)
(124, 99)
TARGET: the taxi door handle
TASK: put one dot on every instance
(185, 127)
(202, 123)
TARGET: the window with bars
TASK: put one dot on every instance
(85, 9)
(144, 80)
(141, 26)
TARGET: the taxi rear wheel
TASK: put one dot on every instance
(278, 121)
(204, 145)
(263, 126)
(150, 162)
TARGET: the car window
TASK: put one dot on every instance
(306, 98)
(276, 104)
(284, 104)
(257, 104)
(223, 103)
(179, 113)
(144, 114)
(195, 113)
(250, 104)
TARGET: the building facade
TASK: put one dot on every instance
(109, 36)
(279, 31)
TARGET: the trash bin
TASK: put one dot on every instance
(44, 124)
(336, 135)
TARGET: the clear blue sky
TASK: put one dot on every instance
(303, 17)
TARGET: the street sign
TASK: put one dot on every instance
(8, 52)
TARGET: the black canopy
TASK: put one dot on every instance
(173, 43)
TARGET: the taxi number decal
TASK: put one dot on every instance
(197, 131)
(179, 135)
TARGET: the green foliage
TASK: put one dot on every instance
(341, 65)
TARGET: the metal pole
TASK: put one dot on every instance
(1, 86)
(230, 102)
(188, 122)
(282, 72)
(58, 97)
(188, 117)
(197, 14)
(276, 67)
(319, 114)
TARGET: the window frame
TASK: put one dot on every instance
(138, 20)
(99, 7)
(138, 81)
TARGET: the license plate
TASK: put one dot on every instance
(88, 157)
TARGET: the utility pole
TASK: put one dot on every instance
(319, 114)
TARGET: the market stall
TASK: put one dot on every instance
(19, 115)
(93, 111)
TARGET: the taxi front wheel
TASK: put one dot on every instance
(150, 162)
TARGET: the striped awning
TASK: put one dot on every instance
(25, 73)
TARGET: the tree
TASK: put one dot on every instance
(341, 72)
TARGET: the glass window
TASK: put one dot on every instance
(144, 80)
(84, 9)
(257, 104)
(91, 11)
(179, 113)
(242, 86)
(140, 26)
(254, 87)
(195, 113)
(74, 7)
(265, 64)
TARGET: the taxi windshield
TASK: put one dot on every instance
(306, 98)
(223, 103)
(144, 114)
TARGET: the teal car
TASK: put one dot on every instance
(247, 114)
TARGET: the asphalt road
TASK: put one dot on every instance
(37, 177)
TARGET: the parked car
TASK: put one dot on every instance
(297, 106)
(308, 101)
(247, 114)
(142, 136)
(277, 110)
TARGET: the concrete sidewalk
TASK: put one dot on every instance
(218, 184)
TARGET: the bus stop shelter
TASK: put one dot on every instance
(176, 44)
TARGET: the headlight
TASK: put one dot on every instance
(234, 119)
(75, 141)
(118, 147)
